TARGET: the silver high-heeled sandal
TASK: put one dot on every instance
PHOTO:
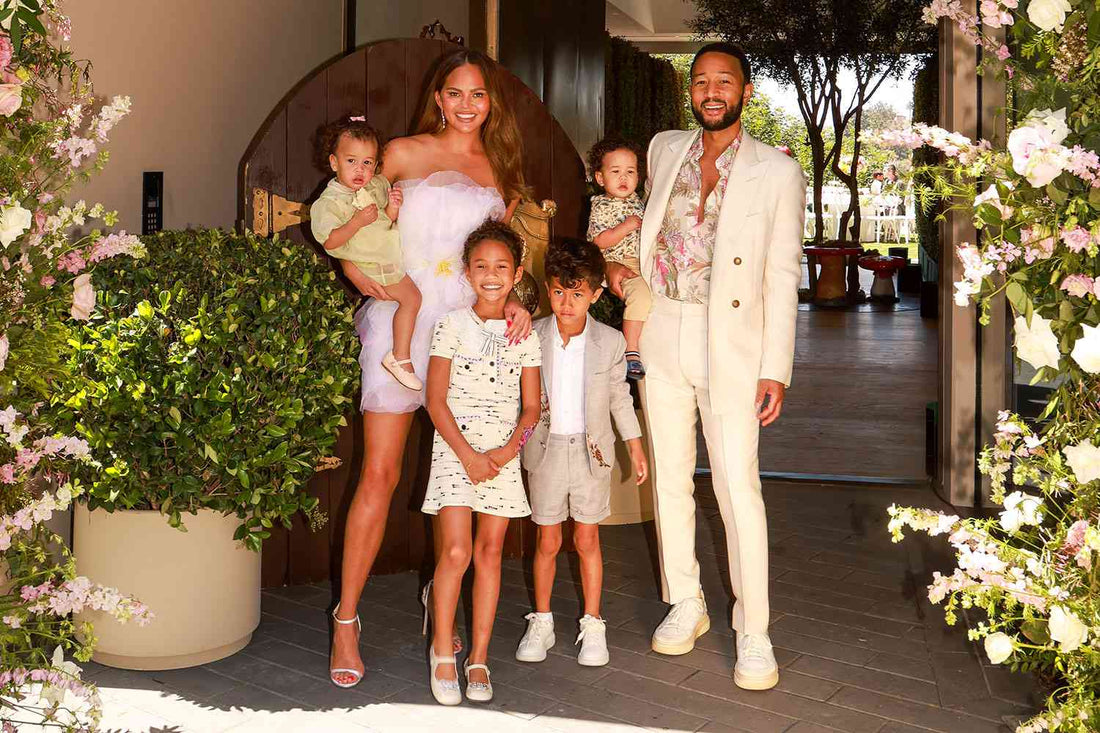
(425, 601)
(333, 671)
(478, 691)
(445, 692)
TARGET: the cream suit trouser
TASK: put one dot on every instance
(674, 349)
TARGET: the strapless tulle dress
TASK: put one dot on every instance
(437, 215)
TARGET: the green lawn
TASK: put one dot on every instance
(884, 247)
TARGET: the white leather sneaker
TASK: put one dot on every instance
(685, 622)
(594, 647)
(756, 668)
(538, 638)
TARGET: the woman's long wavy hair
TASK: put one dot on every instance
(499, 133)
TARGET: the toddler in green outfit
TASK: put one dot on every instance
(355, 219)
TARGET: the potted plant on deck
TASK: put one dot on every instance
(211, 380)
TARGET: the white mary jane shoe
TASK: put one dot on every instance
(394, 366)
(478, 691)
(445, 692)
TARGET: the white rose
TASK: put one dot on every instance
(1054, 122)
(1067, 629)
(1036, 344)
(992, 197)
(83, 297)
(1046, 165)
(1049, 15)
(14, 220)
(998, 647)
(1084, 459)
(1020, 509)
(1086, 350)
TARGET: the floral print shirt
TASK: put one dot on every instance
(608, 212)
(685, 245)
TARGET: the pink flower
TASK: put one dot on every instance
(1003, 53)
(72, 262)
(1078, 286)
(83, 297)
(11, 99)
(6, 51)
(7, 473)
(47, 281)
(116, 244)
(1077, 239)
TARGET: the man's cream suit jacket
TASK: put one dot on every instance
(757, 265)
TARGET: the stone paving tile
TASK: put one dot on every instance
(914, 713)
(783, 703)
(708, 706)
(854, 676)
(617, 703)
(905, 666)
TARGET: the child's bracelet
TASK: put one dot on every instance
(525, 436)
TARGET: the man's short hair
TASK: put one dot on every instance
(573, 261)
(730, 49)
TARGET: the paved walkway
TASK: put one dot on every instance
(860, 648)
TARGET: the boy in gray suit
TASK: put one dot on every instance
(569, 454)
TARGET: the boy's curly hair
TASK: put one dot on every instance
(610, 144)
(573, 261)
(497, 231)
(329, 136)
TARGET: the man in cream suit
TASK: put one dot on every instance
(721, 246)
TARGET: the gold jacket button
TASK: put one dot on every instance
(737, 260)
(736, 304)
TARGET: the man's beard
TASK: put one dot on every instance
(733, 114)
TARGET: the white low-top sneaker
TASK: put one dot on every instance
(756, 668)
(538, 639)
(593, 641)
(685, 622)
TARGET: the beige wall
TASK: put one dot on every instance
(377, 20)
(202, 75)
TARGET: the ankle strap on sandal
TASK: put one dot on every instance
(469, 666)
(339, 620)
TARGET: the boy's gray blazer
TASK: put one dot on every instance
(606, 394)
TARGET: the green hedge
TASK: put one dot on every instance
(214, 374)
(926, 109)
(641, 93)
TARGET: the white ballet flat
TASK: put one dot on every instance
(478, 691)
(333, 671)
(445, 692)
(392, 365)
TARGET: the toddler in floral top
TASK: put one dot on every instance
(614, 224)
(355, 218)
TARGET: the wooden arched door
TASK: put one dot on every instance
(277, 179)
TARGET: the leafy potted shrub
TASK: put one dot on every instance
(212, 378)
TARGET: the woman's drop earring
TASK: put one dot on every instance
(442, 120)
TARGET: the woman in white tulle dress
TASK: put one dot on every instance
(462, 166)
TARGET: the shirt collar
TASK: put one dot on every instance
(725, 160)
(579, 339)
(340, 188)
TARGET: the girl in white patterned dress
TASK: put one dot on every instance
(483, 396)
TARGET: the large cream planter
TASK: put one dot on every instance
(202, 587)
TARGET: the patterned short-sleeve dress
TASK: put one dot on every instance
(484, 397)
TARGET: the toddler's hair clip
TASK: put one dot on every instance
(355, 118)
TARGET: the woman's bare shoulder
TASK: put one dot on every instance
(402, 153)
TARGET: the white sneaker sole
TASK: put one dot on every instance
(600, 662)
(746, 682)
(675, 649)
(520, 657)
